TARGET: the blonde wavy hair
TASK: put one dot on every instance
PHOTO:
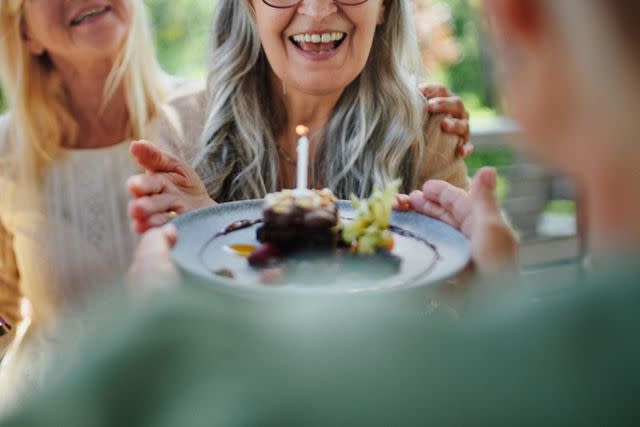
(375, 134)
(39, 119)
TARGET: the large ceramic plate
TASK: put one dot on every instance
(426, 251)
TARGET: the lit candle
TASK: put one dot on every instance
(303, 157)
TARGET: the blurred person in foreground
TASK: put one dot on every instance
(571, 360)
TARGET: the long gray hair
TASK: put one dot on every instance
(375, 133)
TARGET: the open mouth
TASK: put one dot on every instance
(89, 14)
(318, 43)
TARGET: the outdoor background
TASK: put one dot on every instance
(452, 44)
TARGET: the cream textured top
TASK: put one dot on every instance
(54, 256)
(51, 257)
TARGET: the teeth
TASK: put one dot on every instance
(318, 38)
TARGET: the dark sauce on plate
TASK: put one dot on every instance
(246, 223)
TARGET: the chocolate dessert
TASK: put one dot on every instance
(294, 221)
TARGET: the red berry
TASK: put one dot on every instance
(263, 254)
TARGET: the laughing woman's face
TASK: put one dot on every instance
(318, 46)
(87, 30)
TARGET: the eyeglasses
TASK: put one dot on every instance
(285, 4)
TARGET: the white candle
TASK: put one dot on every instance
(303, 158)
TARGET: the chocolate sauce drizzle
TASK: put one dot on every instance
(402, 232)
(234, 226)
(237, 225)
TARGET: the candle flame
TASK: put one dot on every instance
(302, 130)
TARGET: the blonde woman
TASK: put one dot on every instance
(345, 69)
(82, 80)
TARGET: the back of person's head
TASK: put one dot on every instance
(40, 117)
(373, 136)
(571, 76)
(603, 40)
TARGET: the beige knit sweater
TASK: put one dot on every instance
(54, 257)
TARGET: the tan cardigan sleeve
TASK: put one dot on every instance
(440, 158)
(10, 295)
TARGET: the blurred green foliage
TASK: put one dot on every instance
(497, 157)
(182, 34)
(472, 76)
(561, 207)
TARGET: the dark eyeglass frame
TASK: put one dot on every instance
(341, 3)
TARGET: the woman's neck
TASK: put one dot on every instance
(99, 125)
(312, 111)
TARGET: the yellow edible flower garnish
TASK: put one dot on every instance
(369, 230)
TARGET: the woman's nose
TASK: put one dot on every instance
(317, 9)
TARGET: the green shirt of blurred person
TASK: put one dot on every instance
(187, 359)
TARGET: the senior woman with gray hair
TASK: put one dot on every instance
(345, 69)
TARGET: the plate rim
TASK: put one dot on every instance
(221, 284)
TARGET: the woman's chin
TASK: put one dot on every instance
(321, 86)
(103, 43)
(99, 51)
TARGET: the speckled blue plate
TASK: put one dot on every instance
(426, 251)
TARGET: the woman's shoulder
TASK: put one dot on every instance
(5, 150)
(187, 97)
(4, 130)
(181, 118)
(5, 142)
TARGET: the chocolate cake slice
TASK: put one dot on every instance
(300, 220)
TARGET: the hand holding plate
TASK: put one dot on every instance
(477, 214)
(152, 266)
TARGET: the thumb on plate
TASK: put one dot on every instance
(483, 192)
